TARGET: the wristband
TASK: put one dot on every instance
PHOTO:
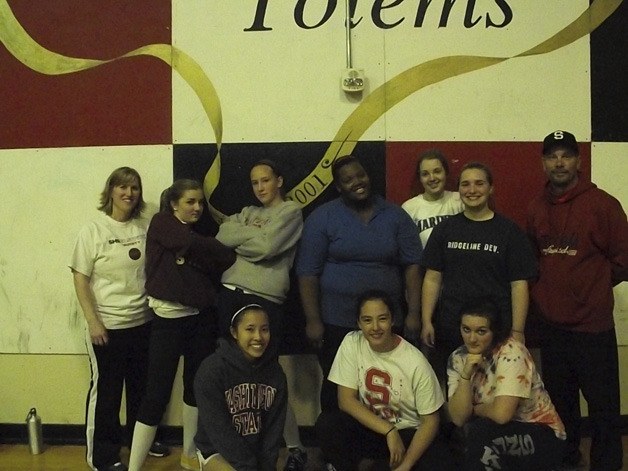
(393, 428)
(518, 331)
(465, 378)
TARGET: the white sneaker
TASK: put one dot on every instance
(189, 462)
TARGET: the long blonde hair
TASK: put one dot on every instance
(121, 176)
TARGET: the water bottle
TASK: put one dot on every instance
(35, 438)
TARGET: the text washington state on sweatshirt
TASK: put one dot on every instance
(241, 408)
(581, 238)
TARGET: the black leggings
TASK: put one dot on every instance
(194, 337)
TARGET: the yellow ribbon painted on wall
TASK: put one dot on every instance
(36, 57)
(428, 73)
(31, 54)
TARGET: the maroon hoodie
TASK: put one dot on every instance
(581, 239)
(181, 265)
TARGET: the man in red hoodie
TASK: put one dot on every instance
(581, 237)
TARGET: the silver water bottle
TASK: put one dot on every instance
(35, 438)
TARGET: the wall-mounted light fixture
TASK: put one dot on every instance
(352, 80)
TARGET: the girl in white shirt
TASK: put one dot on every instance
(435, 203)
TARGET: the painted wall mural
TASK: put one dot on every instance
(202, 89)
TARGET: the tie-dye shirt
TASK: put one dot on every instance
(509, 371)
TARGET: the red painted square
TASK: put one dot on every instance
(516, 166)
(126, 102)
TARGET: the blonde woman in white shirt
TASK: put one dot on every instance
(108, 272)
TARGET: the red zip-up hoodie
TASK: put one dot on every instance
(581, 239)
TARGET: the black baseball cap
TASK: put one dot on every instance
(562, 139)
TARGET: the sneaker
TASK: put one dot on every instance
(115, 467)
(158, 450)
(296, 460)
(190, 462)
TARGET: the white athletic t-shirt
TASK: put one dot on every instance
(428, 214)
(398, 386)
(113, 254)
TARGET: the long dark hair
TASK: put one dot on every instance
(237, 316)
(173, 193)
(432, 154)
(374, 295)
(486, 308)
